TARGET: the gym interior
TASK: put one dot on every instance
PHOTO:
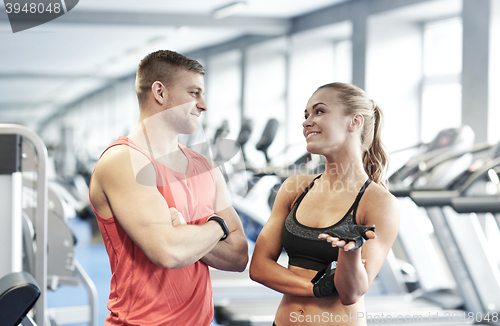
(433, 66)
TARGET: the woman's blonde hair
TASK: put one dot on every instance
(355, 101)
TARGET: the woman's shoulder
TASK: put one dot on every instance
(378, 192)
(378, 201)
(295, 185)
(299, 181)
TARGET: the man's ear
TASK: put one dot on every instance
(356, 122)
(159, 92)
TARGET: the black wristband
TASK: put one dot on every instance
(324, 281)
(222, 224)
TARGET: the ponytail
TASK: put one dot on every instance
(376, 159)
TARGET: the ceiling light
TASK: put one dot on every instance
(229, 9)
(132, 51)
(183, 30)
(157, 41)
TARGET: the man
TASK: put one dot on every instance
(159, 255)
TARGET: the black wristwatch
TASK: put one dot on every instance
(222, 224)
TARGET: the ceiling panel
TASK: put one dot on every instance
(273, 8)
(56, 63)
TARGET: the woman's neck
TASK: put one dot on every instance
(344, 170)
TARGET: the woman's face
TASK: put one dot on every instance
(325, 125)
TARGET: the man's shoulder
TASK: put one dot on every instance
(120, 159)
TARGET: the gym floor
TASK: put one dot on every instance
(94, 259)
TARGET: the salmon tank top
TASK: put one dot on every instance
(143, 293)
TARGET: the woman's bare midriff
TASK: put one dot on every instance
(298, 310)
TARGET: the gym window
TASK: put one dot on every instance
(441, 91)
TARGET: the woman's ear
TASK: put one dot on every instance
(356, 122)
(159, 92)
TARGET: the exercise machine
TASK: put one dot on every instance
(18, 294)
(461, 236)
(446, 158)
(33, 233)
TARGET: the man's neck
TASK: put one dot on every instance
(155, 139)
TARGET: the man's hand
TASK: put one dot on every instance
(176, 217)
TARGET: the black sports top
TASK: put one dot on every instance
(301, 242)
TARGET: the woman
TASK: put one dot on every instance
(320, 219)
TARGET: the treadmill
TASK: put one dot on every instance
(477, 275)
(440, 167)
(470, 200)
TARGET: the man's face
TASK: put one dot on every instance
(185, 102)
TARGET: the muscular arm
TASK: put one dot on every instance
(264, 267)
(144, 215)
(352, 279)
(232, 253)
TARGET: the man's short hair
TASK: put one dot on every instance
(162, 66)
